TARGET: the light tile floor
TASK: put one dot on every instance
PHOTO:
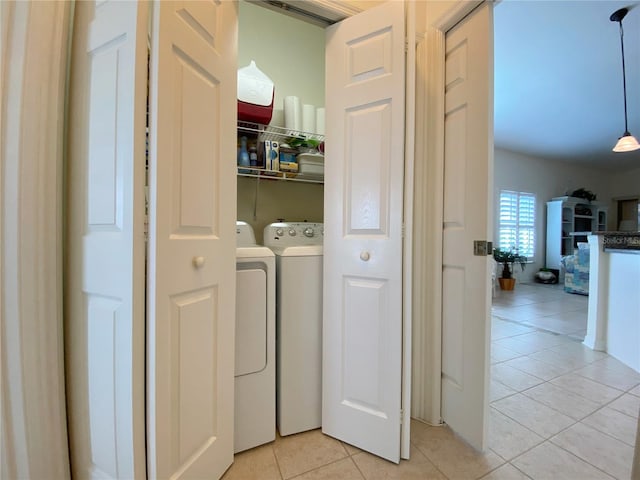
(558, 411)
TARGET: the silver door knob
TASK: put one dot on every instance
(364, 256)
(198, 262)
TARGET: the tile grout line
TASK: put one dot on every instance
(508, 462)
(275, 457)
(523, 473)
(298, 475)
(574, 371)
(601, 406)
(536, 433)
(357, 466)
(583, 459)
(580, 420)
(429, 458)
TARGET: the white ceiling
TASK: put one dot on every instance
(558, 80)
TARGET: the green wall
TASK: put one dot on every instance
(287, 50)
(291, 53)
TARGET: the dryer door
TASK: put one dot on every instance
(251, 321)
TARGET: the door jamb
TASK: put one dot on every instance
(411, 39)
(33, 413)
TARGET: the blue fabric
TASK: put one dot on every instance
(576, 277)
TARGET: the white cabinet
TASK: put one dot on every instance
(569, 221)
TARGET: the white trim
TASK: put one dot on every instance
(316, 12)
(452, 17)
(598, 306)
(331, 8)
(428, 213)
(428, 231)
(7, 463)
(34, 435)
(407, 268)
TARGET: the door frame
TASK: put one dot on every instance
(35, 49)
(428, 214)
(427, 217)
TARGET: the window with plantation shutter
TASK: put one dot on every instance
(517, 215)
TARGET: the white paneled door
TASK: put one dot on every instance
(105, 323)
(362, 327)
(186, 416)
(191, 276)
(466, 295)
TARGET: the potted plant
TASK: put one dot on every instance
(507, 258)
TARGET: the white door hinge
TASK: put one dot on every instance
(403, 230)
(401, 415)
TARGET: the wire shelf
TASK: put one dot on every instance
(263, 174)
(271, 132)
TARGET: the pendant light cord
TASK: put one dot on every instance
(624, 80)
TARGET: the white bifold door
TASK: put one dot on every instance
(105, 253)
(185, 421)
(180, 107)
(363, 216)
(466, 295)
(192, 238)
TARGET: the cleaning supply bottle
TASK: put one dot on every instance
(243, 156)
(253, 156)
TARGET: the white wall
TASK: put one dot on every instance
(623, 184)
(546, 179)
(623, 315)
(613, 323)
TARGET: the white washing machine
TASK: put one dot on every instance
(298, 249)
(255, 369)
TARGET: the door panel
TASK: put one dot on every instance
(367, 178)
(105, 294)
(191, 285)
(362, 326)
(466, 292)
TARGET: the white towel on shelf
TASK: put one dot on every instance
(308, 118)
(320, 120)
(292, 113)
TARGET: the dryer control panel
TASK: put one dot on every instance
(287, 234)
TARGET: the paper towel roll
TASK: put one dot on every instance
(292, 113)
(309, 118)
(320, 120)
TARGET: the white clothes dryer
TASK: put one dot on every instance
(255, 352)
(299, 253)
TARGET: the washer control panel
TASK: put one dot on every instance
(287, 234)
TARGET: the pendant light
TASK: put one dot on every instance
(627, 142)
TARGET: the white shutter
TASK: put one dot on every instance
(508, 215)
(526, 224)
(517, 212)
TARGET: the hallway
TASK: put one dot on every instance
(558, 410)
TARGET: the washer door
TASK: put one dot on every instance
(251, 321)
